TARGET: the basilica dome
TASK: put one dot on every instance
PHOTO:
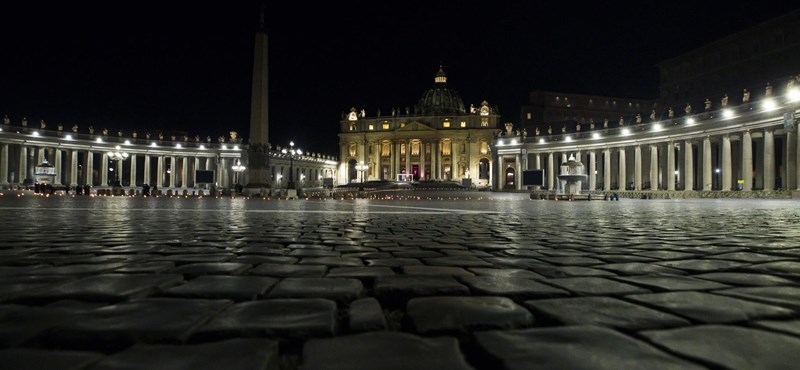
(440, 100)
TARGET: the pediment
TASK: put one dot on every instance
(415, 126)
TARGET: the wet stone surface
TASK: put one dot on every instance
(497, 283)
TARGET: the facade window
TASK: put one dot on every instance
(427, 148)
(402, 124)
(463, 124)
(386, 125)
(371, 127)
(402, 149)
(446, 124)
(415, 148)
(386, 149)
(484, 122)
(529, 115)
(446, 145)
(352, 151)
(484, 148)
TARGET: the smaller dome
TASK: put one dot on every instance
(441, 100)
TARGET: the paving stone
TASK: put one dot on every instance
(623, 258)
(337, 289)
(595, 286)
(702, 265)
(149, 320)
(13, 286)
(363, 273)
(20, 270)
(398, 289)
(460, 315)
(332, 261)
(212, 268)
(742, 278)
(516, 288)
(573, 347)
(104, 288)
(511, 273)
(26, 358)
(246, 353)
(603, 311)
(366, 314)
(671, 282)
(748, 257)
(80, 269)
(393, 262)
(787, 268)
(236, 288)
(780, 295)
(287, 318)
(731, 347)
(572, 261)
(147, 267)
(639, 268)
(258, 259)
(417, 254)
(314, 253)
(436, 271)
(787, 327)
(523, 253)
(24, 325)
(666, 255)
(383, 350)
(710, 308)
(279, 270)
(456, 261)
(569, 271)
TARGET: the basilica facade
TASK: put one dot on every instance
(440, 140)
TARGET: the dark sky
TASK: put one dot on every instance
(187, 66)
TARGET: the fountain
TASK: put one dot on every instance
(570, 178)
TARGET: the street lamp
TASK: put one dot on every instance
(291, 152)
(237, 169)
(116, 156)
(362, 167)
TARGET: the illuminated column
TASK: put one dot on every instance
(550, 171)
(408, 157)
(195, 168)
(791, 166)
(31, 164)
(185, 173)
(23, 163)
(592, 171)
(398, 149)
(160, 172)
(607, 169)
(671, 166)
(4, 165)
(89, 168)
(518, 171)
(707, 163)
(146, 178)
(119, 171)
(104, 170)
(422, 173)
(727, 174)
(769, 160)
(653, 167)
(747, 161)
(173, 171)
(688, 166)
(133, 170)
(73, 168)
(223, 170)
(42, 156)
(57, 164)
(797, 158)
(637, 168)
(622, 177)
(435, 159)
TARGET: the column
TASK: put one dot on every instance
(790, 149)
(637, 168)
(607, 169)
(688, 166)
(769, 160)
(160, 172)
(4, 165)
(23, 163)
(653, 167)
(592, 171)
(119, 171)
(173, 171)
(146, 177)
(73, 168)
(622, 177)
(550, 171)
(398, 149)
(422, 173)
(185, 173)
(104, 170)
(706, 163)
(797, 158)
(671, 166)
(194, 173)
(392, 159)
(57, 166)
(434, 159)
(408, 158)
(727, 173)
(223, 170)
(518, 171)
(89, 168)
(747, 161)
(133, 170)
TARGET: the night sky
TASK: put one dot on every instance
(187, 66)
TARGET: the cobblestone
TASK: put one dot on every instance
(113, 282)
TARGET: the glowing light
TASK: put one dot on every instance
(793, 94)
(224, 147)
(513, 141)
(690, 121)
(235, 147)
(153, 144)
(541, 141)
(769, 104)
(35, 133)
(99, 140)
(178, 145)
(127, 142)
(202, 146)
(625, 131)
(595, 135)
(68, 137)
(727, 113)
(568, 139)
(656, 127)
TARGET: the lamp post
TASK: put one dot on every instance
(292, 152)
(116, 156)
(237, 169)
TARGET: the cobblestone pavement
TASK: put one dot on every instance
(440, 283)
